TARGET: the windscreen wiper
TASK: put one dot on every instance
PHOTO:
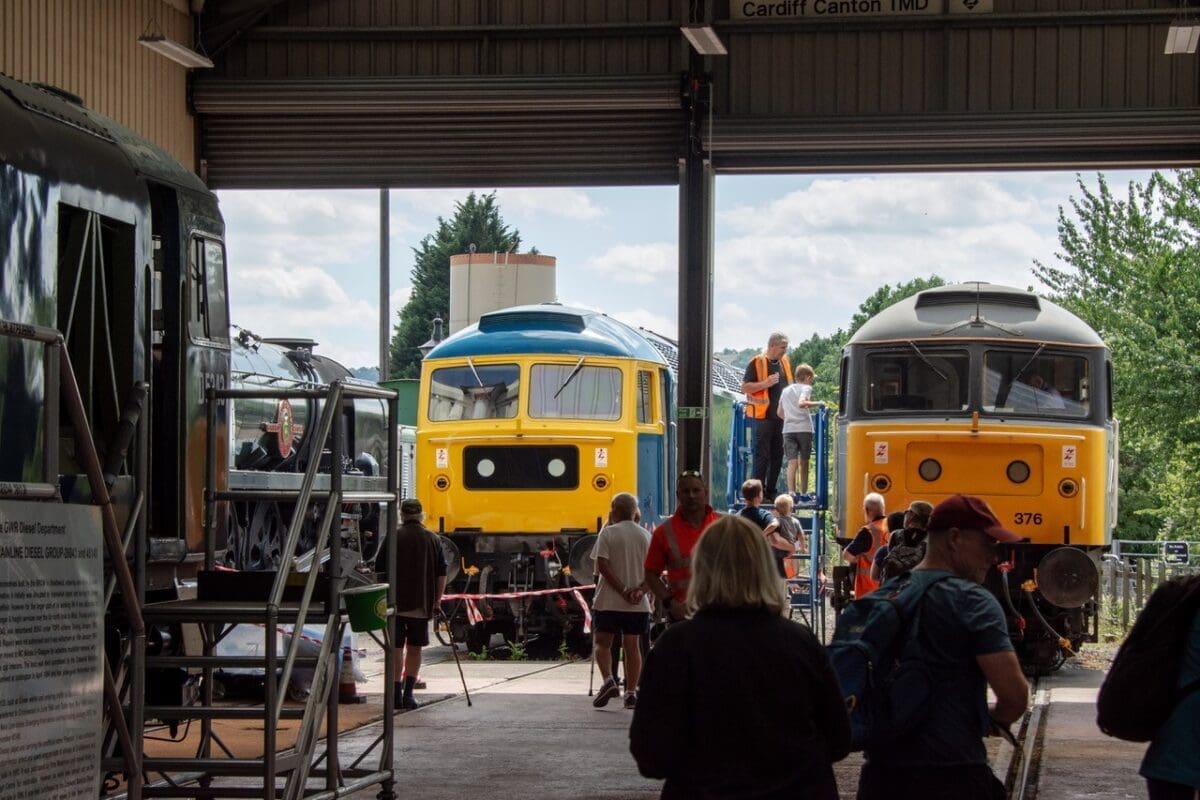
(569, 378)
(471, 364)
(945, 378)
(1021, 372)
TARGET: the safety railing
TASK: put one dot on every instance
(60, 380)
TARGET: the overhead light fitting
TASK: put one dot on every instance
(1182, 37)
(175, 51)
(704, 40)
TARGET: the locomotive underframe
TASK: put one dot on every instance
(518, 563)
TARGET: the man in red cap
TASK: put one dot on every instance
(963, 640)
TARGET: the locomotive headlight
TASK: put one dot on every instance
(441, 483)
(1067, 487)
(930, 470)
(486, 468)
(881, 483)
(600, 483)
(1018, 472)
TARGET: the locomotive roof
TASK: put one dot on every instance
(547, 329)
(977, 310)
(53, 112)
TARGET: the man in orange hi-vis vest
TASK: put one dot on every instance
(870, 538)
(766, 376)
(672, 542)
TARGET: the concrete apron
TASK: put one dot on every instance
(532, 733)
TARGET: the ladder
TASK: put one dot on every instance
(806, 590)
(806, 587)
(221, 604)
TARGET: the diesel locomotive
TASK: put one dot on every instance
(992, 391)
(527, 424)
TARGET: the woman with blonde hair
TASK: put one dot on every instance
(737, 701)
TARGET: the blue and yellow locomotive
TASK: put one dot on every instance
(528, 423)
(992, 391)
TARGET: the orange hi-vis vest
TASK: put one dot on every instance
(863, 585)
(758, 402)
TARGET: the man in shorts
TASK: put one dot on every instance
(621, 606)
(420, 580)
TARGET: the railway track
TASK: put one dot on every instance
(1025, 760)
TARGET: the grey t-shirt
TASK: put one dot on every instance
(624, 544)
(959, 621)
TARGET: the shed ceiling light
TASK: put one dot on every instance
(704, 39)
(175, 51)
(1182, 37)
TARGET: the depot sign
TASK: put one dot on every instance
(827, 9)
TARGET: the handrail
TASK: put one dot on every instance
(130, 741)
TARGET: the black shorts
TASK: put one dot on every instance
(627, 623)
(410, 630)
(797, 445)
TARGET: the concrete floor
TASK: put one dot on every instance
(532, 733)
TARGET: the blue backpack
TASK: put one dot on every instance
(885, 683)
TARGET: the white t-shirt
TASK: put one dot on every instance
(796, 418)
(624, 544)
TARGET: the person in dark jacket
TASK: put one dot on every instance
(420, 579)
(739, 702)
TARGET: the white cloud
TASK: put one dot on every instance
(656, 321)
(635, 263)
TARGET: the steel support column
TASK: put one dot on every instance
(696, 182)
(384, 290)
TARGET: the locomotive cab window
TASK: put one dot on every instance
(474, 391)
(208, 317)
(574, 391)
(916, 380)
(1035, 383)
(645, 398)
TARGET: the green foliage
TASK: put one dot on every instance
(738, 358)
(476, 222)
(517, 652)
(1130, 267)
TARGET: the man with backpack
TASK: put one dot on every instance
(916, 659)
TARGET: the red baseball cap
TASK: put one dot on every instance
(966, 512)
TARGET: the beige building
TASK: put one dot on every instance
(90, 49)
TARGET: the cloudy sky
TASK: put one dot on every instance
(793, 253)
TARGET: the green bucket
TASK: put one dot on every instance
(367, 606)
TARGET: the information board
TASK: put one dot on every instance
(51, 639)
(1175, 552)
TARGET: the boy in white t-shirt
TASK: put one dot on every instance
(794, 405)
(621, 605)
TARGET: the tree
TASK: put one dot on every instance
(476, 222)
(1130, 268)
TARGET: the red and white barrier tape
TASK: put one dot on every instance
(474, 616)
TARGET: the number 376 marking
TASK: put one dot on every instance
(1027, 518)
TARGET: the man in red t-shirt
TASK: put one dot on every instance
(672, 543)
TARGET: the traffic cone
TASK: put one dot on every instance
(347, 688)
